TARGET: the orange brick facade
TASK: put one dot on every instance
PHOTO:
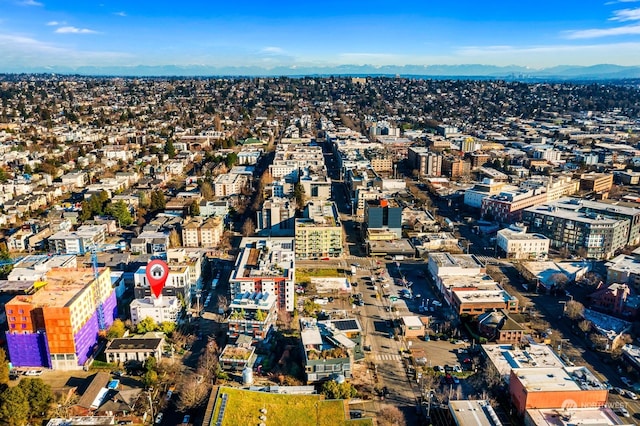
(523, 399)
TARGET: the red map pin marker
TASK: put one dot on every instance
(157, 274)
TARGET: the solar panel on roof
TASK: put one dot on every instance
(346, 324)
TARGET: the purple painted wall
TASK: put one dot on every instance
(86, 338)
(29, 350)
(110, 308)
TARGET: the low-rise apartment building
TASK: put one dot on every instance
(79, 241)
(507, 206)
(518, 244)
(596, 182)
(266, 265)
(253, 315)
(198, 232)
(319, 234)
(329, 347)
(160, 309)
(568, 224)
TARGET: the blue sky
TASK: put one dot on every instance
(37, 33)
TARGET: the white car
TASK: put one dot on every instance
(33, 373)
(632, 395)
(457, 369)
(621, 411)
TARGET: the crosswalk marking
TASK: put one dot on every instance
(388, 357)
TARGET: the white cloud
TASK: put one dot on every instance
(273, 50)
(30, 3)
(621, 1)
(626, 15)
(74, 30)
(54, 23)
(120, 14)
(604, 32)
(20, 50)
(549, 55)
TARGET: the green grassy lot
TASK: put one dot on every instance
(243, 408)
(305, 275)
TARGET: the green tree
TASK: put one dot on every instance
(167, 327)
(116, 330)
(169, 149)
(333, 390)
(151, 364)
(260, 315)
(14, 407)
(5, 270)
(299, 195)
(4, 176)
(194, 208)
(120, 211)
(4, 368)
(39, 396)
(231, 160)
(158, 201)
(146, 325)
(149, 379)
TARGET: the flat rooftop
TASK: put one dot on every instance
(600, 416)
(473, 413)
(575, 215)
(624, 262)
(507, 357)
(481, 282)
(400, 246)
(520, 236)
(482, 296)
(63, 284)
(448, 260)
(557, 379)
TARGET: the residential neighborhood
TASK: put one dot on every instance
(374, 241)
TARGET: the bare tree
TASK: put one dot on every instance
(249, 227)
(574, 310)
(390, 415)
(193, 391)
(558, 279)
(174, 239)
(584, 326)
(223, 303)
(206, 190)
(208, 364)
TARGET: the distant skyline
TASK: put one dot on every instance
(48, 33)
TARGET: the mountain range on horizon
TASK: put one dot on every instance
(560, 72)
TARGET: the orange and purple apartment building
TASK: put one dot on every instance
(58, 326)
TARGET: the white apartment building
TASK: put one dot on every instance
(161, 309)
(78, 242)
(473, 196)
(266, 265)
(518, 244)
(229, 184)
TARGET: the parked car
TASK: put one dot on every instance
(457, 369)
(621, 411)
(632, 395)
(186, 419)
(619, 391)
(159, 418)
(33, 373)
